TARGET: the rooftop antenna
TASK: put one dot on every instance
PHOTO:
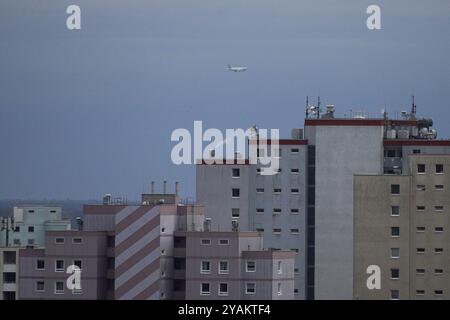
(318, 107)
(307, 106)
(413, 108)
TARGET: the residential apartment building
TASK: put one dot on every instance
(331, 153)
(402, 226)
(233, 265)
(29, 224)
(274, 205)
(136, 252)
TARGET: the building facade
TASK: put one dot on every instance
(402, 226)
(29, 224)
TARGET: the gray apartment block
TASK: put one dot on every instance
(43, 272)
(274, 205)
(143, 252)
(233, 265)
(342, 149)
(401, 225)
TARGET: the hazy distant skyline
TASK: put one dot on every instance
(88, 112)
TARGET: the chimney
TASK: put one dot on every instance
(152, 189)
(165, 187)
(176, 187)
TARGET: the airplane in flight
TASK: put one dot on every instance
(237, 69)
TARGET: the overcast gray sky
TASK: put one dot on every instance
(88, 112)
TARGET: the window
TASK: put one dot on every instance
(294, 190)
(205, 289)
(420, 271)
(110, 241)
(236, 172)
(224, 242)
(40, 286)
(438, 250)
(163, 230)
(438, 292)
(258, 170)
(438, 229)
(77, 240)
(420, 229)
(110, 263)
(52, 211)
(395, 189)
(295, 171)
(59, 287)
(250, 266)
(439, 187)
(59, 265)
(438, 272)
(77, 263)
(223, 267)
(439, 208)
(17, 229)
(439, 168)
(294, 231)
(179, 263)
(205, 267)
(9, 277)
(395, 253)
(250, 288)
(420, 208)
(395, 295)
(31, 229)
(416, 151)
(395, 211)
(223, 289)
(59, 240)
(205, 242)
(280, 267)
(235, 213)
(40, 264)
(395, 231)
(294, 211)
(277, 230)
(30, 211)
(395, 274)
(9, 257)
(276, 211)
(30, 241)
(235, 193)
(16, 242)
(259, 210)
(420, 187)
(277, 190)
(420, 250)
(296, 270)
(259, 190)
(279, 292)
(295, 250)
(260, 229)
(420, 292)
(294, 150)
(420, 168)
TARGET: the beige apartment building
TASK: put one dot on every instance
(401, 224)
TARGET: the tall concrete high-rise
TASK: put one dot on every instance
(329, 156)
(401, 225)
